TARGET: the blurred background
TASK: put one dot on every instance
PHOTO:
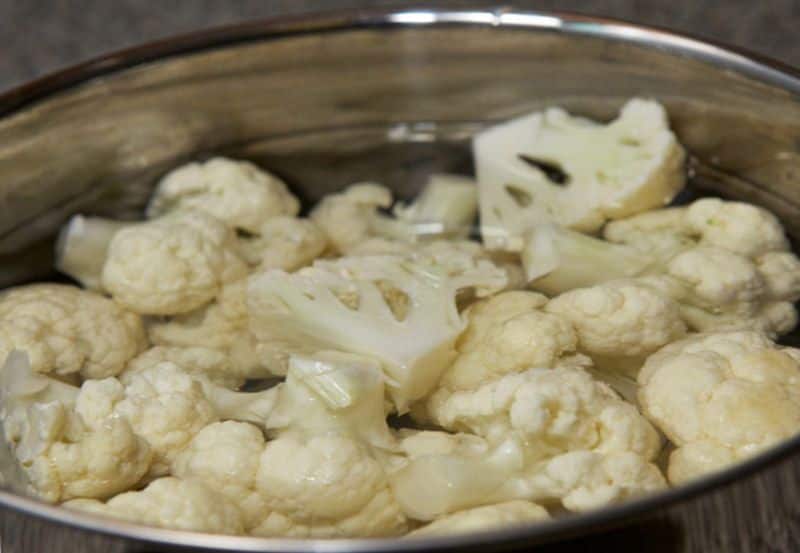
(39, 36)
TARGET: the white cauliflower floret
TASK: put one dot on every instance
(721, 398)
(306, 311)
(351, 216)
(211, 363)
(82, 247)
(550, 166)
(619, 323)
(446, 207)
(223, 326)
(66, 330)
(717, 288)
(319, 477)
(173, 264)
(236, 192)
(171, 503)
(68, 443)
(550, 410)
(167, 406)
(488, 517)
(286, 243)
(505, 334)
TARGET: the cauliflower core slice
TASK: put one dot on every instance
(237, 193)
(488, 517)
(171, 265)
(551, 166)
(171, 503)
(68, 331)
(446, 207)
(309, 310)
(721, 398)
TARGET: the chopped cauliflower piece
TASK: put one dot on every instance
(505, 334)
(620, 323)
(82, 247)
(237, 193)
(550, 410)
(68, 331)
(171, 503)
(351, 216)
(551, 166)
(284, 242)
(305, 310)
(721, 398)
(223, 326)
(68, 444)
(319, 477)
(210, 363)
(488, 517)
(171, 265)
(446, 207)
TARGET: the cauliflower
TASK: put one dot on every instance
(446, 207)
(721, 398)
(551, 166)
(342, 305)
(237, 193)
(224, 327)
(171, 503)
(488, 517)
(619, 323)
(67, 331)
(718, 285)
(550, 410)
(82, 247)
(446, 473)
(171, 265)
(212, 364)
(505, 334)
(286, 243)
(67, 442)
(350, 217)
(319, 477)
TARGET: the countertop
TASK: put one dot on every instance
(39, 36)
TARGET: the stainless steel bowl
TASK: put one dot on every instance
(392, 95)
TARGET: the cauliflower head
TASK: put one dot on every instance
(551, 166)
(68, 331)
(173, 264)
(238, 193)
(720, 398)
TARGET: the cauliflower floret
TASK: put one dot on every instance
(171, 503)
(488, 517)
(550, 410)
(351, 216)
(224, 326)
(286, 243)
(306, 312)
(82, 247)
(68, 443)
(210, 363)
(319, 477)
(781, 274)
(68, 331)
(619, 323)
(551, 166)
(171, 265)
(446, 207)
(721, 398)
(236, 192)
(505, 334)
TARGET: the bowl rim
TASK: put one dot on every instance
(713, 52)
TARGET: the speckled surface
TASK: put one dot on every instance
(42, 35)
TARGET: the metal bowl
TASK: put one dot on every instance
(393, 95)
